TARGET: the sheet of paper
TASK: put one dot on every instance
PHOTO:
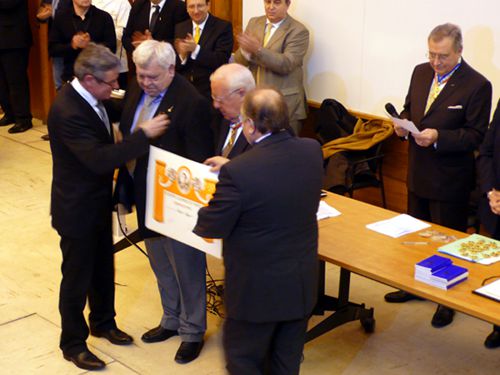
(325, 211)
(491, 290)
(176, 189)
(406, 124)
(398, 226)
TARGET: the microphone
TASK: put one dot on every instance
(391, 110)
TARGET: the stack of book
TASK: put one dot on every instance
(440, 272)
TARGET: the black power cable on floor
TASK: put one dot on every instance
(214, 288)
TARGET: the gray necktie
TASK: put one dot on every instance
(104, 116)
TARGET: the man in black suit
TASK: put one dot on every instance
(449, 102)
(153, 19)
(230, 83)
(74, 28)
(179, 268)
(488, 165)
(265, 208)
(203, 43)
(84, 158)
(15, 44)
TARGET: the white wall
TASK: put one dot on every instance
(362, 52)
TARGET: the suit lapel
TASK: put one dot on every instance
(280, 33)
(135, 94)
(92, 115)
(451, 86)
(224, 130)
(207, 30)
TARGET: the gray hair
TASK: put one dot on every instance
(447, 30)
(95, 60)
(150, 51)
(235, 76)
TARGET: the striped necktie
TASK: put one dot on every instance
(232, 139)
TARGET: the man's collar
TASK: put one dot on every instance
(201, 25)
(84, 93)
(277, 24)
(161, 4)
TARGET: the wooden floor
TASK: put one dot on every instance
(403, 343)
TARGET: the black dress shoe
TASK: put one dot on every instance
(400, 296)
(158, 334)
(20, 127)
(4, 121)
(188, 351)
(442, 317)
(115, 336)
(493, 339)
(85, 360)
(45, 137)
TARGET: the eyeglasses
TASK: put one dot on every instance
(432, 56)
(111, 83)
(220, 99)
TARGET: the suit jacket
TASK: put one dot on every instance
(281, 61)
(84, 158)
(460, 114)
(15, 31)
(216, 45)
(241, 145)
(488, 164)
(189, 134)
(173, 12)
(265, 208)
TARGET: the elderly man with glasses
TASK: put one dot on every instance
(450, 104)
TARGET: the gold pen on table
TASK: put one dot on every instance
(414, 243)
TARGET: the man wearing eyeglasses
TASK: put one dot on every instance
(74, 28)
(229, 85)
(203, 43)
(450, 104)
(179, 268)
(85, 155)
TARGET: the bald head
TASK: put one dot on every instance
(267, 111)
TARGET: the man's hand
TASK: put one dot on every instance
(80, 40)
(44, 12)
(249, 42)
(156, 126)
(138, 37)
(494, 200)
(216, 162)
(426, 138)
(400, 131)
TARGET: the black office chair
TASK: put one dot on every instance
(365, 170)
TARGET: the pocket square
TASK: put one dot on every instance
(455, 106)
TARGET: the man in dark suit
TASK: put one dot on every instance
(203, 43)
(273, 47)
(265, 208)
(179, 268)
(488, 165)
(230, 83)
(74, 28)
(153, 19)
(15, 44)
(449, 102)
(84, 158)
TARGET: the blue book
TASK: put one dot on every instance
(449, 276)
(432, 264)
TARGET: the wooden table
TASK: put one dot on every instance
(346, 242)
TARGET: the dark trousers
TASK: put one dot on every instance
(14, 85)
(449, 214)
(264, 348)
(87, 272)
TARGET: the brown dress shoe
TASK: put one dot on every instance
(85, 360)
(115, 336)
(158, 334)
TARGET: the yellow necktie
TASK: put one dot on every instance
(197, 34)
(232, 138)
(267, 34)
